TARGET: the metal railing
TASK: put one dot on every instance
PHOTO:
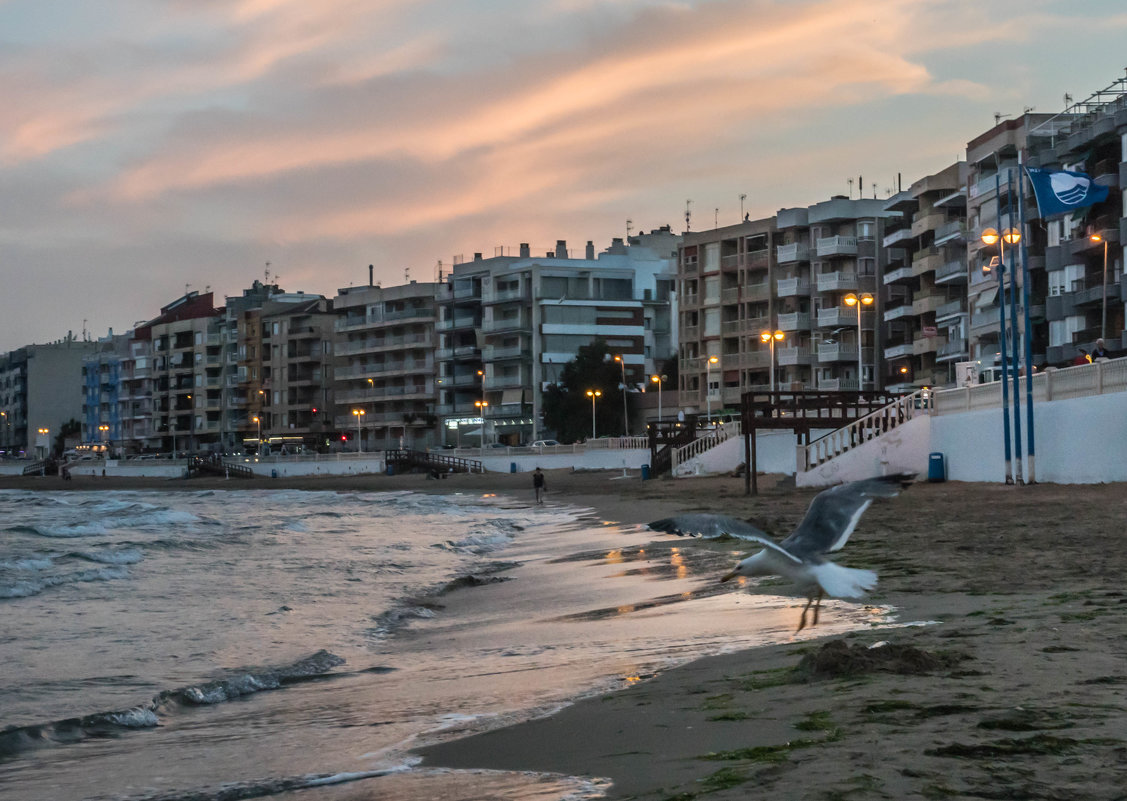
(863, 430)
(704, 443)
(1083, 380)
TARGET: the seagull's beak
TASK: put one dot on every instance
(729, 576)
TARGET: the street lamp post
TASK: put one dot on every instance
(659, 380)
(708, 385)
(772, 338)
(482, 405)
(1103, 313)
(1009, 236)
(104, 429)
(625, 414)
(258, 422)
(359, 414)
(592, 394)
(866, 299)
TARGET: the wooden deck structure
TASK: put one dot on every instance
(800, 411)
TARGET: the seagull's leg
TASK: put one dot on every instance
(817, 607)
(802, 620)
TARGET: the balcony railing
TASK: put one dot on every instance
(836, 246)
(788, 287)
(792, 252)
(837, 282)
(795, 321)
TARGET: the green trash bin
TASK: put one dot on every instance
(645, 472)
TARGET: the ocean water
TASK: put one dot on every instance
(262, 644)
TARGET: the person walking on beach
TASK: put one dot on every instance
(538, 484)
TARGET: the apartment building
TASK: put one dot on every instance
(1082, 287)
(105, 394)
(385, 385)
(923, 288)
(40, 392)
(283, 377)
(186, 374)
(793, 273)
(507, 325)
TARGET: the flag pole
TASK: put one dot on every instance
(1014, 335)
(1028, 327)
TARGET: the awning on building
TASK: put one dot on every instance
(986, 298)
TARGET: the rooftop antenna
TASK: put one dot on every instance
(1067, 100)
(1027, 109)
(629, 227)
(998, 117)
(850, 188)
(716, 218)
(84, 329)
(406, 275)
(688, 214)
(267, 281)
(743, 197)
(186, 288)
(874, 190)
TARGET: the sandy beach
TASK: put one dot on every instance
(1017, 689)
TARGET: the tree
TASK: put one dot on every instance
(567, 407)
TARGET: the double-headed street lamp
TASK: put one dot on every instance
(659, 380)
(592, 394)
(866, 299)
(708, 385)
(1103, 314)
(625, 414)
(104, 430)
(772, 338)
(482, 405)
(359, 415)
(1008, 236)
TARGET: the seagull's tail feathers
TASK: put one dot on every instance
(844, 582)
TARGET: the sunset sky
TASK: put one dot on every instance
(146, 145)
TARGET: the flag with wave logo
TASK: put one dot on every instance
(1061, 191)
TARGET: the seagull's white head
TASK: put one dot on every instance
(754, 565)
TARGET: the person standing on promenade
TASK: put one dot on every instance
(538, 484)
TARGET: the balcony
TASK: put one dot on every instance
(837, 282)
(760, 291)
(792, 287)
(795, 321)
(493, 353)
(518, 323)
(506, 295)
(926, 261)
(896, 351)
(837, 352)
(898, 313)
(927, 303)
(901, 274)
(835, 316)
(951, 350)
(901, 237)
(830, 246)
(928, 222)
(951, 272)
(950, 231)
(751, 359)
(949, 310)
(785, 254)
(921, 345)
(801, 355)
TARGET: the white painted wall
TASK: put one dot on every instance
(905, 449)
(1078, 441)
(774, 453)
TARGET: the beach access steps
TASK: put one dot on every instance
(864, 429)
(44, 467)
(198, 466)
(707, 442)
(403, 459)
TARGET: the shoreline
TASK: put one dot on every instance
(1020, 684)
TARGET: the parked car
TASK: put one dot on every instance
(544, 443)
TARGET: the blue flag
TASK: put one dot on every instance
(1061, 191)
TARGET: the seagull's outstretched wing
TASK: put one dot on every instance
(709, 526)
(833, 514)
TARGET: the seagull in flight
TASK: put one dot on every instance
(801, 557)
